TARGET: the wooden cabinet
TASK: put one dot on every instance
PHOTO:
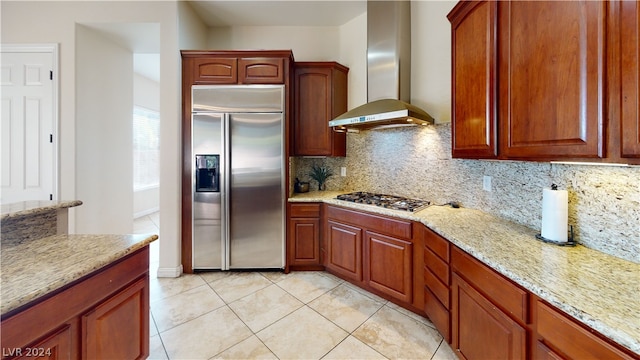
(344, 250)
(226, 68)
(562, 337)
(102, 316)
(376, 252)
(551, 78)
(488, 313)
(303, 237)
(629, 16)
(437, 282)
(320, 95)
(473, 118)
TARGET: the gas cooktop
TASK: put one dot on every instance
(385, 201)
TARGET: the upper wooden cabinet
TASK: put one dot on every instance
(474, 72)
(545, 80)
(551, 78)
(320, 95)
(235, 67)
(629, 15)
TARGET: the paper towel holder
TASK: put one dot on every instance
(570, 241)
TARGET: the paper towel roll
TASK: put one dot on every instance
(555, 215)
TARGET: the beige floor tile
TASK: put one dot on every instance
(275, 276)
(211, 276)
(161, 288)
(346, 307)
(307, 285)
(352, 348)
(410, 314)
(153, 330)
(238, 285)
(205, 336)
(156, 349)
(398, 336)
(264, 307)
(252, 348)
(444, 352)
(304, 334)
(188, 305)
(366, 293)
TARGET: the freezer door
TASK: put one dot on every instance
(208, 218)
(257, 192)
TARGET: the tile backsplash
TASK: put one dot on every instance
(604, 201)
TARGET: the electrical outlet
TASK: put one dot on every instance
(343, 171)
(486, 183)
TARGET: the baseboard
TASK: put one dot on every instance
(146, 212)
(165, 272)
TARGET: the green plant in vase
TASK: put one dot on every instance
(320, 174)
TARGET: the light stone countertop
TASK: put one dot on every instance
(34, 268)
(34, 207)
(596, 289)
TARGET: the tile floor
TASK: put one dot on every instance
(270, 315)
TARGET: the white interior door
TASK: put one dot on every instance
(27, 138)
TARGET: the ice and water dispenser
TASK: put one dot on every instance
(207, 173)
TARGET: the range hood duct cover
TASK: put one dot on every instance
(388, 71)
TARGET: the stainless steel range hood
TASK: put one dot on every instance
(388, 72)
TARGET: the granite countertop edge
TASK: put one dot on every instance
(499, 242)
(26, 208)
(53, 262)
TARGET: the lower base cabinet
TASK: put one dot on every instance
(480, 330)
(104, 316)
(344, 250)
(303, 237)
(389, 265)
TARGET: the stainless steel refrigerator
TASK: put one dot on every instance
(238, 176)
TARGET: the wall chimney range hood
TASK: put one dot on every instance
(388, 72)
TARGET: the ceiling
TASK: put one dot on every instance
(278, 13)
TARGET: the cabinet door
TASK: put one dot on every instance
(320, 95)
(551, 65)
(56, 346)
(480, 330)
(119, 327)
(344, 250)
(261, 71)
(474, 52)
(389, 265)
(304, 241)
(630, 75)
(217, 70)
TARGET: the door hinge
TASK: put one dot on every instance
(50, 196)
(50, 74)
(51, 138)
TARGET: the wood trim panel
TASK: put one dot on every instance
(570, 339)
(304, 210)
(508, 296)
(385, 225)
(629, 14)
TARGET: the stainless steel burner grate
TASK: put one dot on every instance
(385, 201)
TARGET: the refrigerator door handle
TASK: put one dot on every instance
(226, 193)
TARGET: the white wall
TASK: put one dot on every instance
(146, 93)
(353, 54)
(55, 22)
(104, 165)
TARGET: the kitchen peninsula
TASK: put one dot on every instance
(554, 287)
(67, 295)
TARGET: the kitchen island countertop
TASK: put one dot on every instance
(35, 207)
(596, 289)
(35, 268)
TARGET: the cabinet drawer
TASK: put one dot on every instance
(384, 225)
(437, 244)
(570, 338)
(503, 293)
(306, 210)
(438, 267)
(440, 290)
(438, 314)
